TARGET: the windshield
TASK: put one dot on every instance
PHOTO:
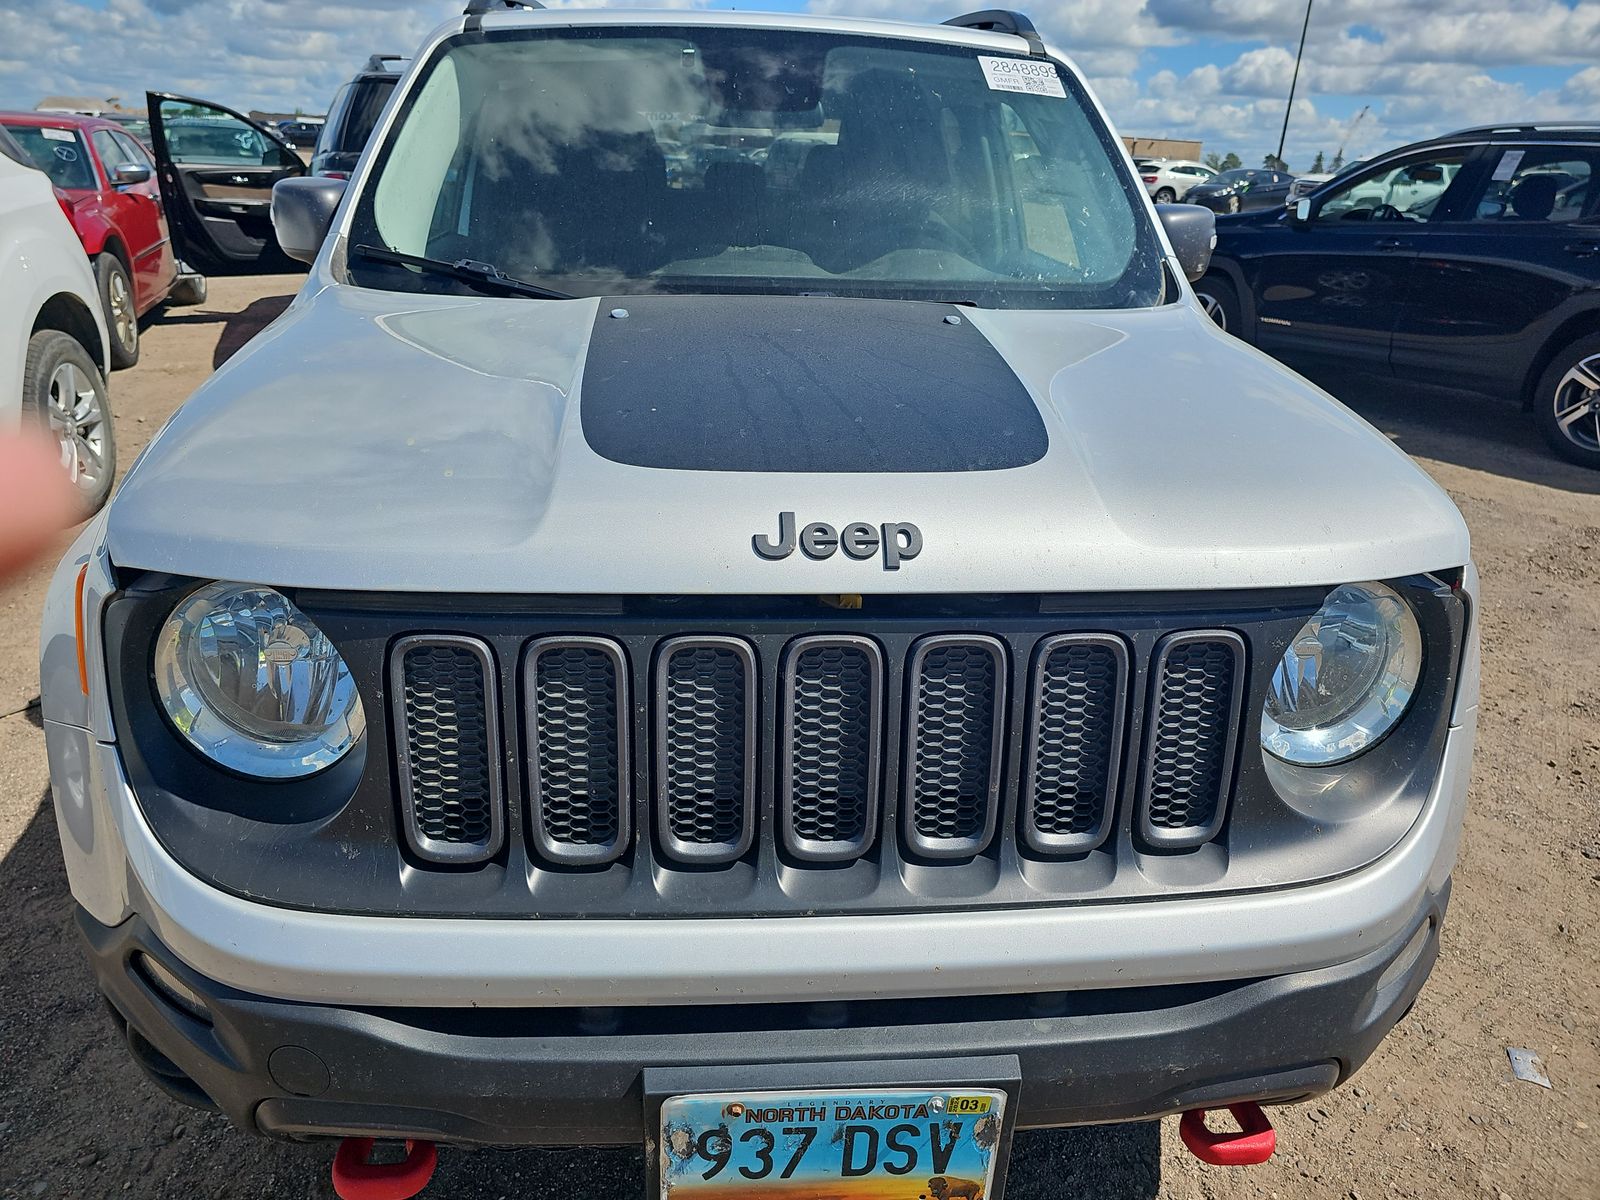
(616, 161)
(58, 153)
(1235, 176)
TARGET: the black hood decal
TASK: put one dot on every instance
(797, 383)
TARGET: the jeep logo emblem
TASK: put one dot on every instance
(900, 541)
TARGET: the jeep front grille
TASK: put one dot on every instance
(818, 747)
(447, 747)
(1194, 713)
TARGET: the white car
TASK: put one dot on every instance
(1168, 180)
(54, 351)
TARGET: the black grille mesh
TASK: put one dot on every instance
(954, 742)
(704, 758)
(1190, 744)
(576, 733)
(1076, 712)
(832, 755)
(447, 745)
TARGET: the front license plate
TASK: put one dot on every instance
(848, 1144)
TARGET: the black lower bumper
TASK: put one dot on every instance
(574, 1076)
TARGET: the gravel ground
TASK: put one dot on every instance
(1436, 1113)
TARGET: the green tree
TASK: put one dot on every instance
(1316, 164)
(1273, 163)
(1231, 161)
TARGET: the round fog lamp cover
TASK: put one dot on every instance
(1345, 679)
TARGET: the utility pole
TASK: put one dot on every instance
(1288, 108)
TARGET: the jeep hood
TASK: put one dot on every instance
(379, 441)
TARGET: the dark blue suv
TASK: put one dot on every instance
(1470, 261)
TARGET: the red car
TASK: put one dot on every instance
(106, 183)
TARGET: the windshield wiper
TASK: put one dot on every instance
(485, 276)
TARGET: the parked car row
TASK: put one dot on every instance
(1470, 261)
(100, 219)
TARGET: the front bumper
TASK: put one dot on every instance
(118, 868)
(566, 1076)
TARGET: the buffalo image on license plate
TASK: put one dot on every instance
(848, 1144)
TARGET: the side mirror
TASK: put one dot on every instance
(130, 173)
(1303, 211)
(1192, 230)
(302, 212)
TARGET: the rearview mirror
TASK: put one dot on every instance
(302, 212)
(129, 173)
(1192, 230)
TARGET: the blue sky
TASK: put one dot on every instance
(1217, 70)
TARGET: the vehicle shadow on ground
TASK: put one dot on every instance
(1477, 432)
(237, 327)
(1103, 1163)
(77, 1116)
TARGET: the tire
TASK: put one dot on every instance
(122, 316)
(64, 393)
(1566, 402)
(1220, 300)
(1166, 196)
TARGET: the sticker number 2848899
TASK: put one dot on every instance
(1035, 76)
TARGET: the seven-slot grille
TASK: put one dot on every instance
(700, 731)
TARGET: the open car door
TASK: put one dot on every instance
(216, 170)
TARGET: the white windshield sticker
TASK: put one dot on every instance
(1509, 162)
(1030, 75)
(57, 135)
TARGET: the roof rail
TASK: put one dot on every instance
(1540, 127)
(377, 61)
(477, 8)
(1003, 20)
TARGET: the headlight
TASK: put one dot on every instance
(1346, 678)
(254, 685)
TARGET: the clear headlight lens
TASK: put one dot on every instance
(254, 685)
(1345, 679)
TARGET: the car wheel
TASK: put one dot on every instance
(1220, 301)
(1566, 402)
(1166, 196)
(122, 318)
(65, 394)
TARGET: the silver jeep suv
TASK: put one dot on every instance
(651, 649)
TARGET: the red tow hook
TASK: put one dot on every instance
(1254, 1143)
(356, 1177)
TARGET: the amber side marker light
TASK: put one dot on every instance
(77, 628)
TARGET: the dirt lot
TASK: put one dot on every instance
(1435, 1114)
